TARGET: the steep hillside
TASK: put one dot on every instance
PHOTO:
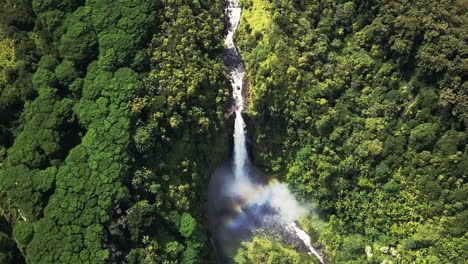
(361, 107)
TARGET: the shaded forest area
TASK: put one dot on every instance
(112, 118)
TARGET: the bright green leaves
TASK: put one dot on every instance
(261, 52)
(122, 26)
(186, 78)
(115, 49)
(124, 86)
(89, 181)
(143, 137)
(48, 238)
(426, 235)
(180, 112)
(7, 55)
(39, 140)
(66, 72)
(173, 248)
(95, 82)
(267, 250)
(354, 244)
(117, 87)
(76, 175)
(187, 225)
(142, 219)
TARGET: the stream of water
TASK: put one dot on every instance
(236, 72)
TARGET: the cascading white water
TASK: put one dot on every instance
(261, 205)
(233, 12)
(306, 239)
(237, 73)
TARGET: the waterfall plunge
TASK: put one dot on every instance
(236, 72)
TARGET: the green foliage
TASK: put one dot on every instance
(266, 250)
(48, 62)
(60, 179)
(426, 235)
(112, 57)
(79, 43)
(41, 6)
(112, 118)
(187, 225)
(358, 105)
(354, 244)
(66, 72)
(39, 142)
(345, 14)
(122, 35)
(180, 130)
(23, 233)
(423, 136)
(18, 57)
(141, 216)
(26, 187)
(7, 55)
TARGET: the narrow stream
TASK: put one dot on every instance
(242, 200)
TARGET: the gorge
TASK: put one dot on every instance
(243, 202)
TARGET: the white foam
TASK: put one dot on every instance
(306, 239)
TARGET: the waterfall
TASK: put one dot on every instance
(236, 70)
(239, 206)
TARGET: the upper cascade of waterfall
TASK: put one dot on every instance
(233, 12)
(236, 73)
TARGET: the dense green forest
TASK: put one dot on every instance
(361, 106)
(114, 114)
(108, 109)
